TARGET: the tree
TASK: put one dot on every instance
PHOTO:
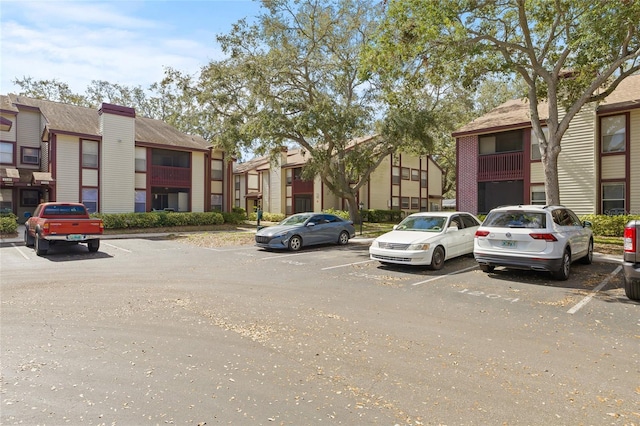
(292, 78)
(567, 52)
(51, 90)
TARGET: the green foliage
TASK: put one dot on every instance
(382, 216)
(267, 217)
(158, 219)
(340, 213)
(608, 226)
(234, 218)
(8, 224)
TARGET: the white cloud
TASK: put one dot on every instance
(77, 42)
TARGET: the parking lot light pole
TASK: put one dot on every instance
(361, 205)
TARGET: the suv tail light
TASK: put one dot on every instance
(482, 233)
(544, 236)
(630, 239)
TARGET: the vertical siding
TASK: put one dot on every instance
(467, 174)
(435, 179)
(576, 163)
(68, 170)
(117, 164)
(197, 182)
(634, 154)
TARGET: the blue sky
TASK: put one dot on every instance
(125, 42)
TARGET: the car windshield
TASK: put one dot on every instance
(422, 223)
(516, 219)
(296, 219)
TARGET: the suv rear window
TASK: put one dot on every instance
(516, 219)
(64, 210)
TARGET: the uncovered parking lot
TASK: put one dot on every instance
(149, 331)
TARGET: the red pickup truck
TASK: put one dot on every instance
(62, 223)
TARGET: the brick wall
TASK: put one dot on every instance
(467, 174)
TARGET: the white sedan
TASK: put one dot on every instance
(427, 238)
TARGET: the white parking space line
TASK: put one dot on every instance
(19, 251)
(446, 275)
(117, 248)
(348, 264)
(588, 298)
(283, 255)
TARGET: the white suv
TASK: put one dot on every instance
(541, 238)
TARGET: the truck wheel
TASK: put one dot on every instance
(28, 239)
(93, 245)
(40, 244)
(632, 288)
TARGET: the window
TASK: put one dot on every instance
(415, 174)
(423, 204)
(415, 203)
(501, 142)
(216, 169)
(395, 203)
(141, 159)
(6, 153)
(216, 202)
(29, 197)
(141, 202)
(405, 173)
(538, 196)
(395, 175)
(90, 154)
(6, 200)
(535, 145)
(613, 198)
(30, 155)
(404, 201)
(289, 175)
(423, 179)
(236, 183)
(613, 131)
(90, 199)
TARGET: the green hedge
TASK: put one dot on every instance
(609, 226)
(158, 219)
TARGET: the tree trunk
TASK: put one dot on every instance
(354, 212)
(550, 166)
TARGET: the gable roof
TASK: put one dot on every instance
(515, 113)
(66, 118)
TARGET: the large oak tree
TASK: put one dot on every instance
(567, 52)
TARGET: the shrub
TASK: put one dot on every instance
(383, 216)
(8, 224)
(340, 213)
(160, 219)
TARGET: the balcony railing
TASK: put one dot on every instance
(508, 166)
(170, 176)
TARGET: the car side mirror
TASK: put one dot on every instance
(311, 224)
(452, 228)
(587, 224)
(395, 227)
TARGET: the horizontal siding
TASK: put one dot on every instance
(117, 156)
(634, 173)
(10, 135)
(380, 181)
(576, 164)
(435, 179)
(28, 133)
(68, 171)
(141, 180)
(197, 182)
(537, 172)
(613, 167)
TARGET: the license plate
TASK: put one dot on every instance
(75, 237)
(508, 243)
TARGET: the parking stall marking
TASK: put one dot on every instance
(19, 251)
(493, 296)
(445, 275)
(588, 298)
(347, 264)
(117, 248)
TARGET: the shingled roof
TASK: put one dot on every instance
(515, 113)
(65, 118)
